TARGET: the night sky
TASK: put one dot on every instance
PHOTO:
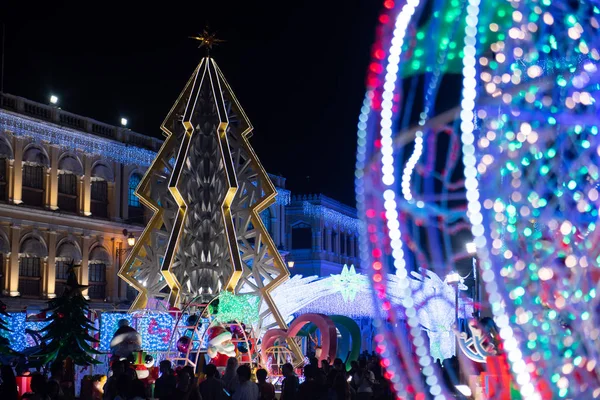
(297, 67)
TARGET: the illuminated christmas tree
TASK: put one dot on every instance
(5, 349)
(67, 334)
(206, 189)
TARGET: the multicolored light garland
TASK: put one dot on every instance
(529, 124)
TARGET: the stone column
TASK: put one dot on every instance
(116, 265)
(13, 275)
(114, 198)
(86, 190)
(328, 244)
(318, 240)
(84, 271)
(353, 248)
(52, 186)
(125, 192)
(16, 194)
(6, 274)
(49, 275)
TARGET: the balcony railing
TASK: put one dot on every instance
(64, 118)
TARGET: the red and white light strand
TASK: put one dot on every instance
(389, 195)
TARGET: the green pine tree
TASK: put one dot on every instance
(67, 334)
(5, 349)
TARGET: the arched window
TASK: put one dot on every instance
(34, 163)
(134, 181)
(67, 252)
(99, 259)
(31, 253)
(136, 211)
(101, 175)
(69, 168)
(301, 237)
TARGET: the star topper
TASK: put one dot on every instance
(207, 39)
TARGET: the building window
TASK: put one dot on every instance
(301, 237)
(99, 206)
(67, 192)
(136, 211)
(134, 181)
(62, 273)
(30, 274)
(33, 185)
(97, 281)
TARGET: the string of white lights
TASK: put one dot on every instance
(467, 126)
(390, 204)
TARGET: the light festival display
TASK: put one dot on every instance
(513, 165)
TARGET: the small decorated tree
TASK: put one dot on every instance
(67, 334)
(5, 349)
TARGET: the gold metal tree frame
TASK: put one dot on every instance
(206, 189)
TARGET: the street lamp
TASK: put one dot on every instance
(290, 264)
(53, 99)
(131, 240)
(124, 121)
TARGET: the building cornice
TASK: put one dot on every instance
(57, 221)
(53, 134)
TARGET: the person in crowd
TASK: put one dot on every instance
(290, 384)
(56, 375)
(54, 391)
(353, 368)
(364, 379)
(137, 390)
(266, 390)
(339, 366)
(38, 388)
(193, 391)
(166, 383)
(183, 386)
(325, 367)
(8, 388)
(212, 387)
(246, 390)
(310, 388)
(110, 387)
(123, 386)
(341, 389)
(230, 378)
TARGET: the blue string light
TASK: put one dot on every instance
(333, 217)
(113, 150)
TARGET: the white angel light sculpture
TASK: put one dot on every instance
(434, 299)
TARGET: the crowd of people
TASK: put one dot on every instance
(322, 381)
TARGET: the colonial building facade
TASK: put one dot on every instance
(66, 195)
(67, 187)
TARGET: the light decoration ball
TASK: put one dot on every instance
(526, 130)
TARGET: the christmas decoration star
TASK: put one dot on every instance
(207, 39)
(348, 283)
